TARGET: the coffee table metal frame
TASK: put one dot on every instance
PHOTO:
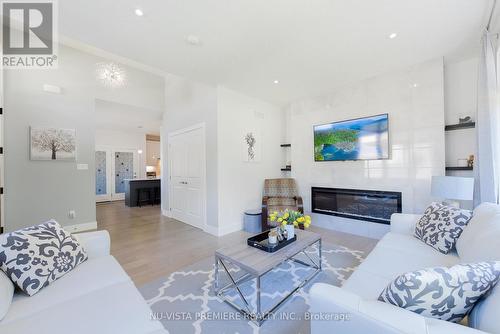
(257, 315)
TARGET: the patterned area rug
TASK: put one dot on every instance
(185, 303)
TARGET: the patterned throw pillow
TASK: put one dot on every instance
(441, 225)
(442, 293)
(36, 256)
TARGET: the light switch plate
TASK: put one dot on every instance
(82, 166)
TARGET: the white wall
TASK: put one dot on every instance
(416, 121)
(188, 103)
(240, 182)
(36, 191)
(124, 140)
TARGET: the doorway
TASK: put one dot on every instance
(187, 175)
(112, 167)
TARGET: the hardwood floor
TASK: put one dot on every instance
(149, 245)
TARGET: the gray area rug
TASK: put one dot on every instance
(185, 303)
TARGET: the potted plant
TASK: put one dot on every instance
(289, 219)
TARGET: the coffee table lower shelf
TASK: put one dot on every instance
(257, 315)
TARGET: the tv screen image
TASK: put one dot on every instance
(364, 138)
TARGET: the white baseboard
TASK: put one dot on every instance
(229, 229)
(166, 213)
(81, 227)
(213, 230)
(218, 232)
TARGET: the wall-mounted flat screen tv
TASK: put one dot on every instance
(364, 138)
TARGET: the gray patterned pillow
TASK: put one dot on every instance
(442, 293)
(441, 225)
(36, 256)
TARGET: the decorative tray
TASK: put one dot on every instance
(261, 242)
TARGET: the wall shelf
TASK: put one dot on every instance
(459, 126)
(459, 168)
(286, 145)
(286, 169)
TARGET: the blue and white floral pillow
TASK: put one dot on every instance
(36, 256)
(441, 226)
(443, 293)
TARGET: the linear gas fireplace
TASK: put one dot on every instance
(369, 205)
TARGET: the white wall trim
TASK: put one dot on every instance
(213, 230)
(81, 227)
(216, 231)
(166, 213)
(230, 229)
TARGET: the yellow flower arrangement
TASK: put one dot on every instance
(291, 217)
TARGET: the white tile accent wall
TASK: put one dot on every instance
(416, 125)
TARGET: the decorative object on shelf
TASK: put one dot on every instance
(452, 188)
(251, 146)
(465, 120)
(289, 219)
(273, 237)
(470, 161)
(111, 74)
(52, 144)
(279, 233)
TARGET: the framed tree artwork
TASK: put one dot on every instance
(52, 144)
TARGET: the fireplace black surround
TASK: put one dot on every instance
(368, 205)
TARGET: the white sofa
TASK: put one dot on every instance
(96, 297)
(399, 252)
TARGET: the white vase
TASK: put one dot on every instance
(290, 230)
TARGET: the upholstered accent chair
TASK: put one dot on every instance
(279, 194)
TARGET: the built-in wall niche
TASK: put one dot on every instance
(460, 149)
(287, 164)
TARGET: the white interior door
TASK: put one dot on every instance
(112, 167)
(187, 176)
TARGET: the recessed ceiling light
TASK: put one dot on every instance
(193, 40)
(139, 12)
(393, 35)
(139, 151)
(415, 85)
(276, 81)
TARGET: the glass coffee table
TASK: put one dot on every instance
(255, 263)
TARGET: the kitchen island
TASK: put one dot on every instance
(142, 192)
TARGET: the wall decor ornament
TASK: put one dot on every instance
(52, 144)
(251, 146)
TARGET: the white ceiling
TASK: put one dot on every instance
(310, 46)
